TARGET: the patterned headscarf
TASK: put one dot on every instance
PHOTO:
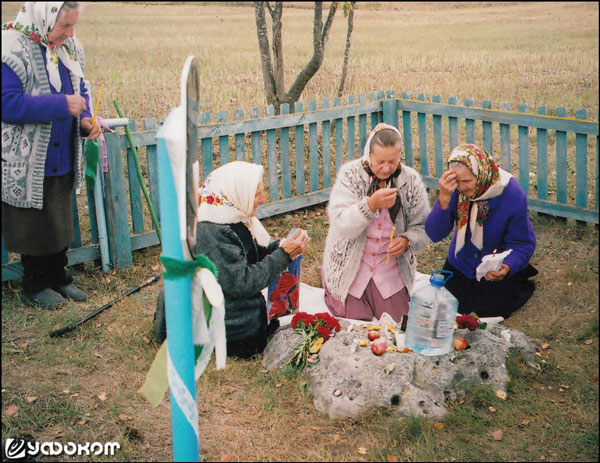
(36, 20)
(388, 182)
(227, 196)
(491, 181)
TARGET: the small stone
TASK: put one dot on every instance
(337, 393)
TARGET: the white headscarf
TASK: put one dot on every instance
(227, 196)
(36, 20)
(367, 149)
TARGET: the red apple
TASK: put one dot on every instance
(460, 344)
(379, 347)
(373, 335)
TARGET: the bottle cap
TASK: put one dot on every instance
(437, 280)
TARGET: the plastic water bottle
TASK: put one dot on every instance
(432, 316)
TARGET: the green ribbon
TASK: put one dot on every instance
(175, 268)
(91, 154)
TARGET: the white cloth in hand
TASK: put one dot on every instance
(490, 263)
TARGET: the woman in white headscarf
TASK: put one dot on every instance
(247, 260)
(45, 112)
(377, 209)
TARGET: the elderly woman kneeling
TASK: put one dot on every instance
(489, 208)
(377, 210)
(232, 237)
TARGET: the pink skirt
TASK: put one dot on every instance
(371, 304)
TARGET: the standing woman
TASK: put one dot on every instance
(377, 208)
(489, 208)
(44, 116)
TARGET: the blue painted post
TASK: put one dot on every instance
(469, 123)
(286, 182)
(299, 145)
(362, 125)
(273, 168)
(223, 140)
(505, 140)
(207, 149)
(255, 140)
(542, 158)
(452, 126)
(438, 140)
(524, 153)
(339, 137)
(240, 139)
(135, 190)
(486, 128)
(351, 139)
(422, 124)
(374, 116)
(561, 160)
(151, 156)
(581, 168)
(407, 132)
(326, 146)
(178, 312)
(313, 151)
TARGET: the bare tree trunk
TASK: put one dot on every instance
(278, 69)
(347, 50)
(265, 52)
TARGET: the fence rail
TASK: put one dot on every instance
(556, 159)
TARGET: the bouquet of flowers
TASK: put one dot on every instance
(471, 322)
(314, 330)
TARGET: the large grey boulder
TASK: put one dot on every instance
(348, 380)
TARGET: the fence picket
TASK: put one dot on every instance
(407, 131)
(486, 129)
(240, 138)
(286, 182)
(351, 137)
(505, 141)
(339, 137)
(438, 139)
(452, 126)
(299, 144)
(523, 153)
(326, 146)
(542, 158)
(272, 159)
(469, 123)
(561, 160)
(207, 150)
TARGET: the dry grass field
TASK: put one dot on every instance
(82, 387)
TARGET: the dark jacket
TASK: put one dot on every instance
(244, 269)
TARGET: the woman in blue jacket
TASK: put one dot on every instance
(489, 209)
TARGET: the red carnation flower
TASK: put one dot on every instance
(304, 318)
(286, 282)
(324, 331)
(294, 298)
(210, 199)
(467, 321)
(330, 321)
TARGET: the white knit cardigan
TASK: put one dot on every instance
(350, 216)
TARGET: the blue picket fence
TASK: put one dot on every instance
(554, 157)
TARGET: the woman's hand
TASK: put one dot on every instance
(447, 184)
(93, 131)
(497, 275)
(383, 198)
(75, 104)
(399, 246)
(295, 244)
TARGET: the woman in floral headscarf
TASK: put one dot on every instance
(377, 209)
(45, 112)
(247, 260)
(490, 211)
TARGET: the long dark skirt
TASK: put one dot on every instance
(46, 231)
(491, 298)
